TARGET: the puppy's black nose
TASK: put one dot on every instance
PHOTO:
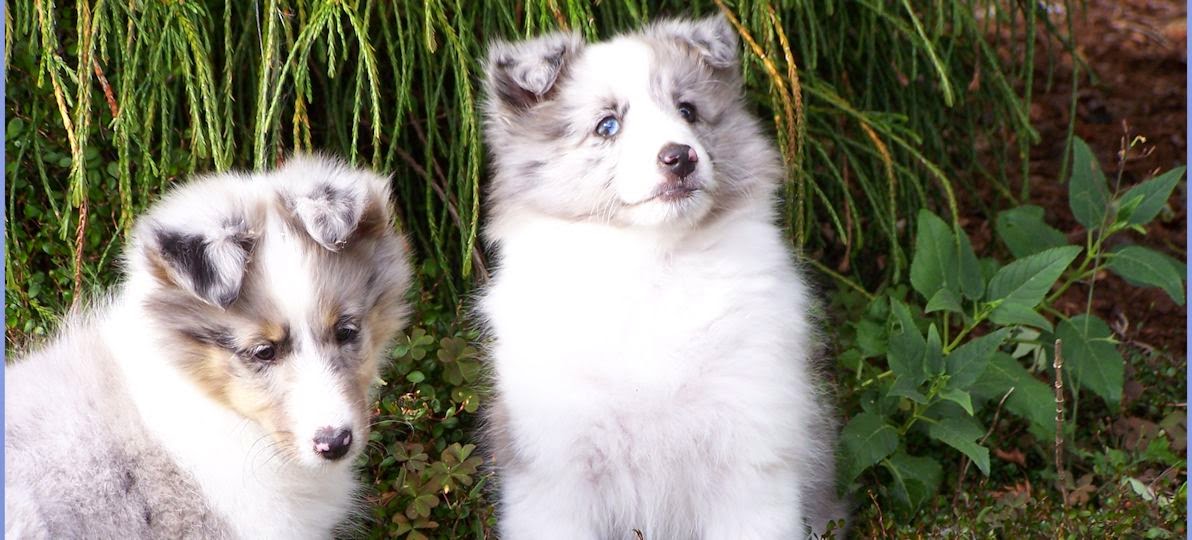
(332, 444)
(679, 159)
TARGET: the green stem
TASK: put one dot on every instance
(947, 326)
(876, 378)
(978, 318)
(836, 276)
(1079, 275)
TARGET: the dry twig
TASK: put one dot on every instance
(1060, 477)
(881, 522)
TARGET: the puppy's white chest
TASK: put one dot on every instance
(640, 327)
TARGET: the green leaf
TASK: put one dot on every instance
(959, 397)
(466, 397)
(906, 386)
(1023, 230)
(851, 359)
(866, 440)
(972, 283)
(1126, 208)
(1015, 313)
(416, 377)
(1153, 195)
(871, 338)
(878, 308)
(944, 299)
(1027, 280)
(1140, 489)
(1027, 343)
(15, 127)
(1088, 194)
(906, 351)
(464, 370)
(1092, 356)
(1032, 399)
(1142, 266)
(423, 504)
(967, 362)
(469, 368)
(935, 265)
(915, 478)
(933, 360)
(989, 267)
(962, 433)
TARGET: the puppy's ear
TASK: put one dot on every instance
(713, 38)
(332, 202)
(200, 242)
(519, 75)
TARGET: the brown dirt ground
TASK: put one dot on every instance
(1136, 50)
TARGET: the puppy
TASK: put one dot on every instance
(652, 338)
(222, 391)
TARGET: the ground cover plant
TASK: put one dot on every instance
(915, 192)
(933, 380)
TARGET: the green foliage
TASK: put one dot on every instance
(868, 439)
(914, 479)
(961, 433)
(1031, 399)
(1127, 487)
(1148, 268)
(422, 463)
(936, 264)
(1024, 231)
(968, 362)
(1091, 355)
(931, 365)
(1143, 202)
(1088, 192)
(109, 103)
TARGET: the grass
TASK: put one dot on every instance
(109, 102)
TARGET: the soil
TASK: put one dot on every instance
(1136, 52)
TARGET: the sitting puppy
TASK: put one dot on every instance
(222, 391)
(653, 343)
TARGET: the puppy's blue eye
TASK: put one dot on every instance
(687, 111)
(608, 126)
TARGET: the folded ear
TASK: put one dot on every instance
(200, 239)
(518, 75)
(332, 202)
(713, 38)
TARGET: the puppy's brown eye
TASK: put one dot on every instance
(346, 333)
(687, 111)
(264, 353)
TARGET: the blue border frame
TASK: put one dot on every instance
(1188, 229)
(3, 216)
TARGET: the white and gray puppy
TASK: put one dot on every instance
(222, 391)
(653, 348)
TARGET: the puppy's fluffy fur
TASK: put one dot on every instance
(197, 400)
(653, 346)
